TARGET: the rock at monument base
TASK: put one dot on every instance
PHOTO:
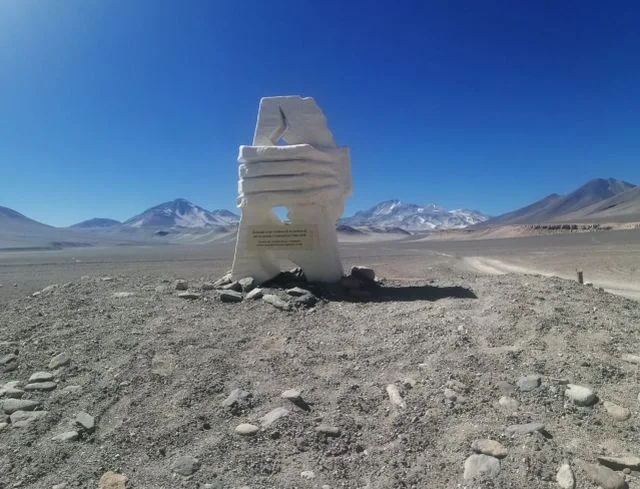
(363, 273)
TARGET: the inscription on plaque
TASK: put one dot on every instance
(291, 237)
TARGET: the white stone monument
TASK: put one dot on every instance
(308, 175)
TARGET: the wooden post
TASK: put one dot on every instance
(580, 277)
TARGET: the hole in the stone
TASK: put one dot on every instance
(282, 213)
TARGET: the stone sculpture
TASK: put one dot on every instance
(309, 175)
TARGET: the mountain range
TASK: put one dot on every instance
(396, 214)
(598, 200)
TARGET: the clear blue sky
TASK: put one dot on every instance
(108, 107)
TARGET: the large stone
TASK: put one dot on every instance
(273, 416)
(11, 390)
(230, 296)
(246, 429)
(619, 413)
(363, 273)
(489, 447)
(256, 293)
(41, 377)
(291, 395)
(185, 465)
(111, 480)
(60, 360)
(580, 395)
(41, 386)
(247, 284)
(481, 466)
(10, 406)
(621, 463)
(602, 476)
(85, 421)
(529, 383)
(276, 302)
(565, 478)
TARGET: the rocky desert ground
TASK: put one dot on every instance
(126, 367)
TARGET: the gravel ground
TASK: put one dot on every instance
(396, 391)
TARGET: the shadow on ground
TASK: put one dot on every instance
(419, 293)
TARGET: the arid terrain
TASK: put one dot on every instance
(476, 349)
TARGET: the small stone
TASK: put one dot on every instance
(450, 394)
(524, 429)
(72, 389)
(85, 421)
(621, 463)
(186, 465)
(20, 419)
(395, 397)
(508, 403)
(456, 385)
(306, 300)
(291, 395)
(247, 284)
(307, 474)
(8, 362)
(41, 377)
(246, 429)
(66, 436)
(208, 286)
(580, 395)
(237, 397)
(10, 390)
(49, 289)
(619, 413)
(328, 430)
(363, 273)
(10, 406)
(489, 447)
(628, 357)
(276, 302)
(41, 386)
(107, 279)
(181, 284)
(602, 476)
(529, 383)
(273, 415)
(297, 292)
(255, 294)
(60, 360)
(232, 286)
(230, 296)
(111, 480)
(481, 466)
(3, 426)
(59, 486)
(122, 295)
(565, 477)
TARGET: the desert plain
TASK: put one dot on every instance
(473, 364)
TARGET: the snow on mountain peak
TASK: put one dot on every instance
(180, 213)
(412, 217)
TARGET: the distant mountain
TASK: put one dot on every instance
(12, 219)
(412, 217)
(96, 223)
(181, 213)
(622, 207)
(554, 207)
